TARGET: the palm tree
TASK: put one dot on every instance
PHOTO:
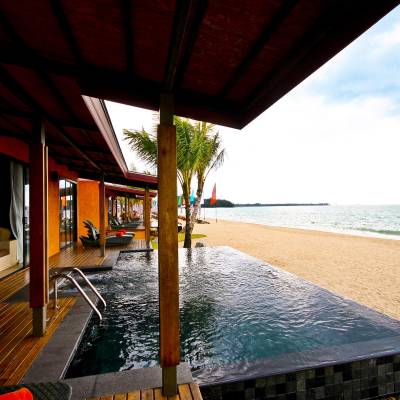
(145, 144)
(210, 156)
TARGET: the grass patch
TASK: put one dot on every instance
(181, 238)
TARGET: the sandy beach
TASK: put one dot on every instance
(360, 268)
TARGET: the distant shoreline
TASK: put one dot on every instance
(280, 204)
(228, 204)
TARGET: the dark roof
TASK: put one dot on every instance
(225, 61)
(79, 133)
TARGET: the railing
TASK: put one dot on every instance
(69, 277)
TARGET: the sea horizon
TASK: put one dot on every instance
(379, 221)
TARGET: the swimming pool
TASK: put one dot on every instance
(236, 314)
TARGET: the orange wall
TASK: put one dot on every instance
(87, 193)
(88, 204)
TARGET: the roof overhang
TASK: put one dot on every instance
(225, 62)
(119, 190)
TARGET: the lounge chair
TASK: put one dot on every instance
(92, 238)
(115, 224)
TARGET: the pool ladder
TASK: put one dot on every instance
(68, 276)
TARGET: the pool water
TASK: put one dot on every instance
(233, 308)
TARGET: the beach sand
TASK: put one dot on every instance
(363, 269)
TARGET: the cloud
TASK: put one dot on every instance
(306, 148)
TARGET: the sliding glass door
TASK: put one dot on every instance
(67, 212)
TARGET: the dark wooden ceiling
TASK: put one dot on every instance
(29, 92)
(225, 61)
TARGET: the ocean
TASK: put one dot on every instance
(377, 221)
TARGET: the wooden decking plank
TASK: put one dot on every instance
(196, 394)
(120, 396)
(106, 397)
(147, 394)
(12, 339)
(28, 345)
(134, 395)
(13, 313)
(184, 392)
(158, 394)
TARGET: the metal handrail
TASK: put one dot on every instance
(57, 276)
(95, 291)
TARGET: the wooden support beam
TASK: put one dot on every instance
(147, 216)
(38, 194)
(102, 231)
(168, 248)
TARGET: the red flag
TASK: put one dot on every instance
(213, 199)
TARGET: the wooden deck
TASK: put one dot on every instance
(11, 284)
(18, 348)
(186, 392)
(88, 257)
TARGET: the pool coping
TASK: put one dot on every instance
(54, 359)
(123, 381)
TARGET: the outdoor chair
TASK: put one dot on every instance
(115, 224)
(43, 391)
(92, 238)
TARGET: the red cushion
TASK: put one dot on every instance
(118, 234)
(21, 394)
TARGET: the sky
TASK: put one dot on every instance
(334, 138)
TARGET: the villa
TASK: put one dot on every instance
(223, 62)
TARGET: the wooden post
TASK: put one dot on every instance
(102, 219)
(147, 216)
(38, 192)
(168, 248)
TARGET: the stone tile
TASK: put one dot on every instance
(261, 382)
(249, 394)
(338, 377)
(310, 373)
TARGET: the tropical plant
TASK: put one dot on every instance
(210, 156)
(145, 144)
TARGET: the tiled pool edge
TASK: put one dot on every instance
(365, 379)
(55, 357)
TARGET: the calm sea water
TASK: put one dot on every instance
(378, 221)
